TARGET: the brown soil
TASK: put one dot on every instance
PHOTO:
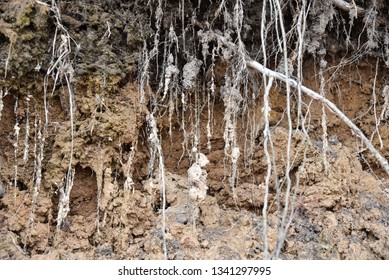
(341, 209)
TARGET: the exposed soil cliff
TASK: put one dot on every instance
(85, 173)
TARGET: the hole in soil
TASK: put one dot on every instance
(21, 186)
(126, 147)
(83, 197)
(158, 207)
(3, 206)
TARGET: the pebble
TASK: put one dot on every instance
(104, 250)
(182, 218)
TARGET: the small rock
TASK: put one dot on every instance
(104, 250)
(143, 202)
(182, 218)
(205, 244)
(65, 225)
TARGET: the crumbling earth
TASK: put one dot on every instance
(341, 204)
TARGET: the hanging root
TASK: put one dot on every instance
(16, 145)
(61, 69)
(2, 94)
(64, 208)
(155, 145)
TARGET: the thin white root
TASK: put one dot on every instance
(156, 145)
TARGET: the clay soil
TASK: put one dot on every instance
(341, 208)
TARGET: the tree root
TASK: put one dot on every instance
(347, 7)
(270, 73)
(210, 35)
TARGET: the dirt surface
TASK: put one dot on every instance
(75, 118)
